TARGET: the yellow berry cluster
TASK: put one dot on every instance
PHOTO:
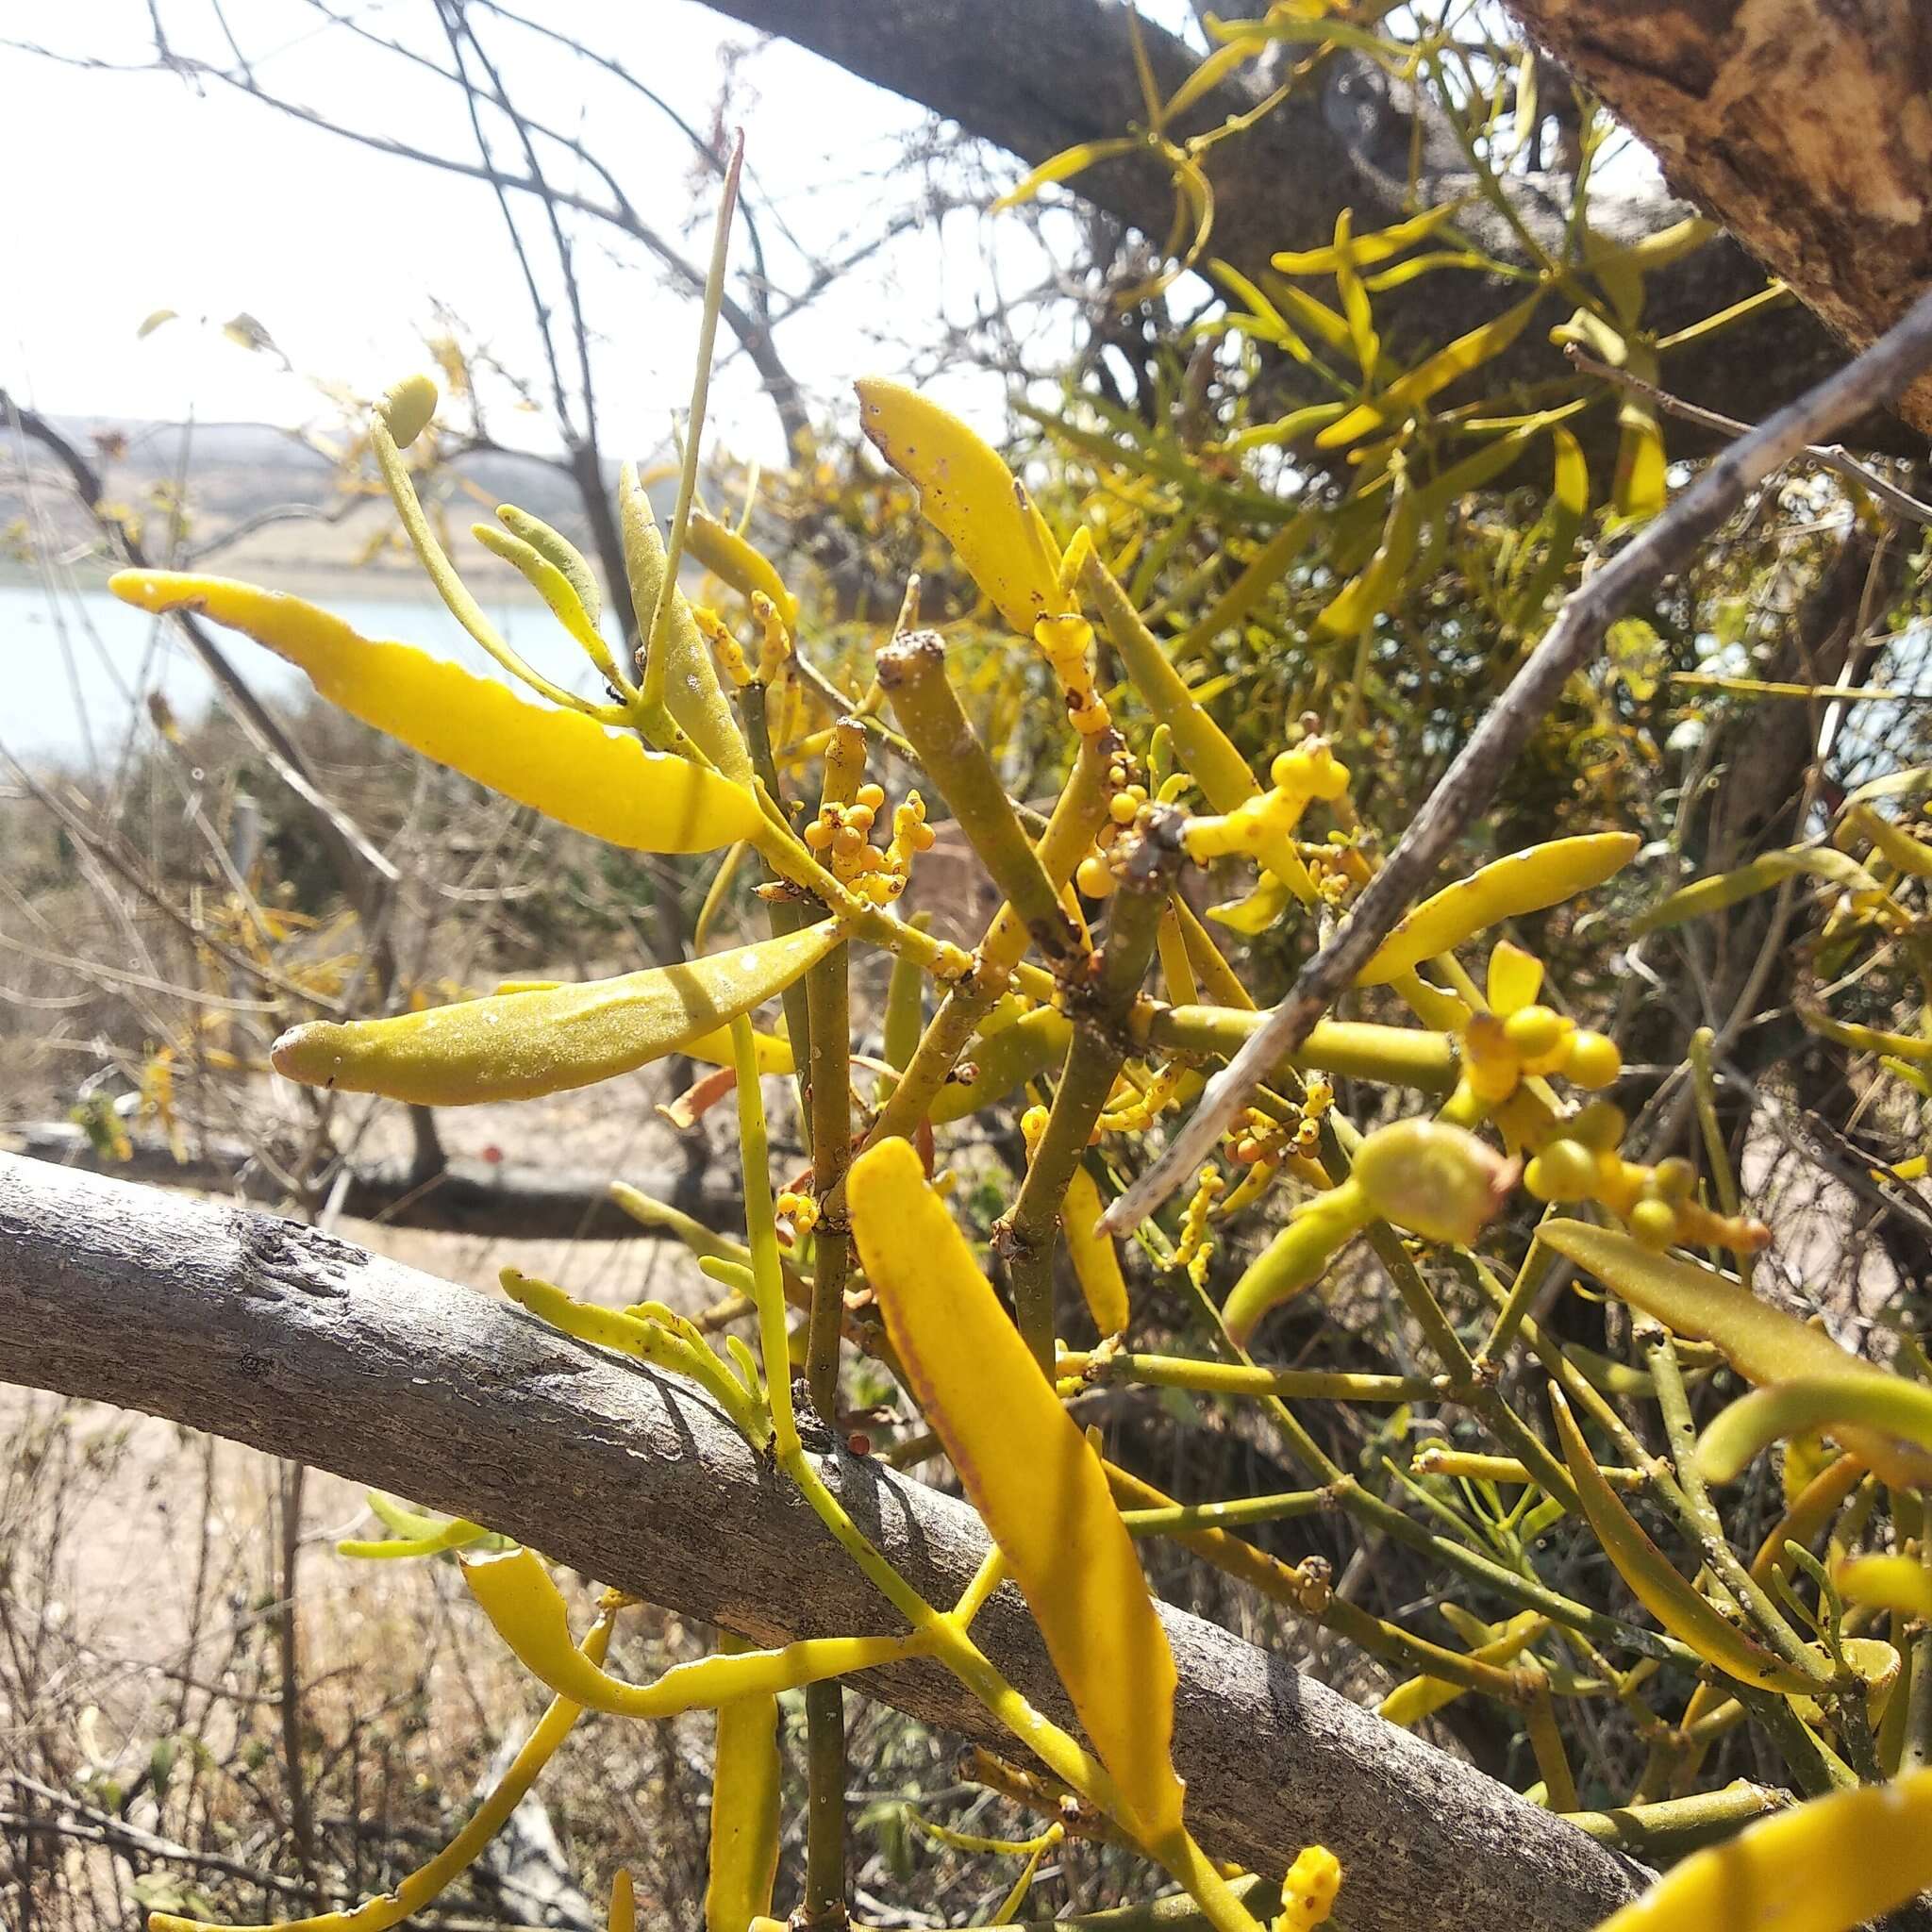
(1657, 1204)
(1140, 1105)
(775, 650)
(1259, 1136)
(842, 835)
(1195, 1249)
(732, 664)
(798, 1210)
(1501, 1051)
(1125, 797)
(725, 647)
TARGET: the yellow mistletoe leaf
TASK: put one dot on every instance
(970, 496)
(408, 407)
(744, 1811)
(1653, 1581)
(403, 1901)
(1526, 882)
(1030, 1474)
(997, 1062)
(530, 1616)
(1096, 1265)
(622, 1916)
(1764, 1344)
(514, 1046)
(563, 764)
(1900, 1583)
(1409, 393)
(1869, 1402)
(1764, 872)
(1823, 1867)
(1061, 167)
(691, 691)
(742, 565)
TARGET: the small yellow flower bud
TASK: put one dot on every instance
(1533, 1031)
(1676, 1178)
(406, 409)
(1600, 1125)
(1565, 1171)
(1654, 1222)
(1593, 1059)
(1094, 877)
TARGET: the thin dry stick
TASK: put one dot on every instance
(1469, 783)
(1834, 455)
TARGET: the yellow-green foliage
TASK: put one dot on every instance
(1438, 1123)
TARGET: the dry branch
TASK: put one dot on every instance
(285, 1338)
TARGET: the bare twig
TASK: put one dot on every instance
(1471, 781)
(1834, 455)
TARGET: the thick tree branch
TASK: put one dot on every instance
(299, 1344)
(1035, 76)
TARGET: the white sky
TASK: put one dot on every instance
(126, 192)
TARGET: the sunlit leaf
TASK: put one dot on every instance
(1096, 1265)
(408, 1898)
(970, 496)
(1770, 868)
(1764, 1344)
(1030, 1474)
(563, 764)
(1900, 1583)
(1823, 1867)
(745, 1773)
(530, 1616)
(1654, 1580)
(997, 1063)
(1061, 167)
(1379, 583)
(513, 1046)
(1526, 882)
(691, 692)
(1457, 358)
(1868, 1401)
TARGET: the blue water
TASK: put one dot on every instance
(75, 667)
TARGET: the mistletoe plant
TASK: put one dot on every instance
(1496, 1095)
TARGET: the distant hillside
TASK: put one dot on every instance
(235, 472)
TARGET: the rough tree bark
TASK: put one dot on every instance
(1805, 130)
(1035, 76)
(278, 1335)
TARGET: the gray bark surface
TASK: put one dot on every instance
(285, 1338)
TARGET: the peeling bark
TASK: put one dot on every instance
(1803, 126)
